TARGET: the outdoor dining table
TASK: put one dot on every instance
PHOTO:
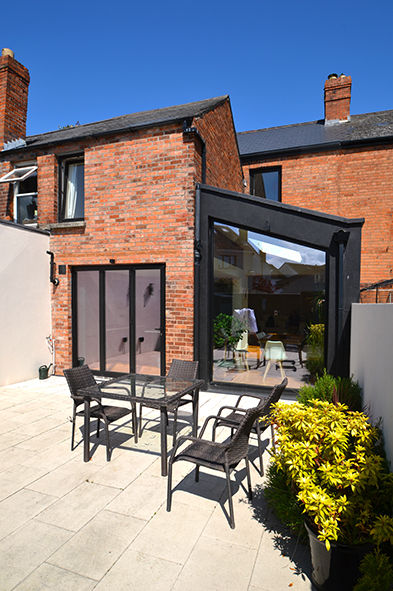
(160, 392)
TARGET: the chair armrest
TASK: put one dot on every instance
(248, 396)
(235, 408)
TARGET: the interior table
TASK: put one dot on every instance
(158, 392)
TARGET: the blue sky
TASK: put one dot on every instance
(92, 60)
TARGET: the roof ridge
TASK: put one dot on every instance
(216, 99)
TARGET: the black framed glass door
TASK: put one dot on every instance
(118, 316)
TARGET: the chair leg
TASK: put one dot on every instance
(73, 427)
(108, 447)
(174, 427)
(281, 370)
(231, 514)
(134, 421)
(98, 428)
(258, 430)
(248, 478)
(197, 473)
(266, 370)
(140, 420)
(169, 489)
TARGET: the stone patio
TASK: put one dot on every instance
(68, 525)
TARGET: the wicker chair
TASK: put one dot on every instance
(217, 456)
(234, 418)
(179, 370)
(82, 377)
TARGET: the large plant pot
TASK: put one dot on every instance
(336, 569)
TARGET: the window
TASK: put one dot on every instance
(72, 194)
(266, 182)
(24, 180)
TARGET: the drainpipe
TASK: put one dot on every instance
(197, 271)
(52, 277)
(187, 129)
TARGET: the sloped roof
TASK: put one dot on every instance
(125, 123)
(315, 134)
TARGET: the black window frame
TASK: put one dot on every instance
(64, 164)
(262, 169)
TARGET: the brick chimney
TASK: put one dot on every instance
(14, 86)
(337, 98)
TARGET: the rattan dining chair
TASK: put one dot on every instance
(217, 456)
(82, 377)
(179, 370)
(234, 418)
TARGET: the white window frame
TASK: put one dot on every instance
(14, 175)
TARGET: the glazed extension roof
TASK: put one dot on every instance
(125, 123)
(303, 137)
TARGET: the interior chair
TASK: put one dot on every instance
(241, 349)
(274, 353)
(179, 370)
(236, 414)
(217, 456)
(82, 377)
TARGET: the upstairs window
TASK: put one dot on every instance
(266, 182)
(72, 193)
(24, 180)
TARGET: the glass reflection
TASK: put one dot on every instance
(269, 296)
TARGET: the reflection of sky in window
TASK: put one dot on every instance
(280, 251)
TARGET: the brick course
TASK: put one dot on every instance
(139, 209)
(351, 183)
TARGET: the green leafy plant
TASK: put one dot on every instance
(227, 331)
(376, 571)
(315, 362)
(284, 501)
(332, 389)
(327, 456)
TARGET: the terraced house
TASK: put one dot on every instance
(166, 225)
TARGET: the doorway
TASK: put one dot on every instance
(118, 318)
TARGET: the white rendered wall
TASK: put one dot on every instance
(372, 362)
(25, 319)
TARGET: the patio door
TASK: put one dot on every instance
(118, 319)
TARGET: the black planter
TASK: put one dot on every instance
(336, 569)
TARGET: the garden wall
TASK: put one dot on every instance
(372, 362)
(24, 302)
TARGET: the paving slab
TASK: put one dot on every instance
(26, 549)
(48, 577)
(136, 571)
(20, 507)
(80, 505)
(97, 546)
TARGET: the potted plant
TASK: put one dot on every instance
(329, 460)
(227, 331)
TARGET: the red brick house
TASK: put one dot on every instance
(342, 164)
(152, 237)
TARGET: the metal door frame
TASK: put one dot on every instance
(132, 315)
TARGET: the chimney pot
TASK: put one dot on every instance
(9, 52)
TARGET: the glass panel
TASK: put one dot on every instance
(117, 321)
(88, 334)
(74, 191)
(269, 296)
(266, 184)
(29, 185)
(148, 337)
(26, 208)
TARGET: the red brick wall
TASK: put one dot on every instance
(223, 165)
(350, 183)
(47, 185)
(139, 208)
(14, 85)
(6, 195)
